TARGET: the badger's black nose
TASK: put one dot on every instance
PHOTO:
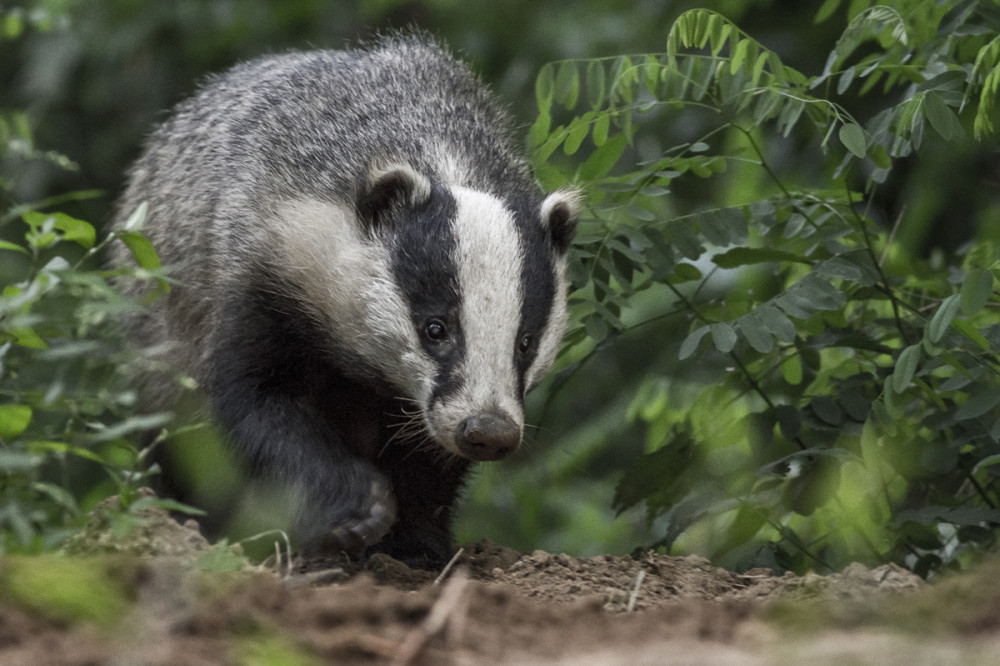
(488, 436)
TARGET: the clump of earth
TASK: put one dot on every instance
(159, 593)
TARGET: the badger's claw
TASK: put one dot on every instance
(357, 534)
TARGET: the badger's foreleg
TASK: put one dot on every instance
(269, 393)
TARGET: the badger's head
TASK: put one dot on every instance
(454, 297)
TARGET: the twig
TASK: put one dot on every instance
(324, 577)
(438, 616)
(635, 590)
(447, 567)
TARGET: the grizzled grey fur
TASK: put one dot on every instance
(343, 227)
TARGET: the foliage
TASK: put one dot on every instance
(66, 407)
(65, 412)
(858, 379)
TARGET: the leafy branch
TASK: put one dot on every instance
(843, 368)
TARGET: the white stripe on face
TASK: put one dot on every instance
(555, 326)
(347, 279)
(489, 262)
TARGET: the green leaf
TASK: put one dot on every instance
(539, 131)
(578, 131)
(791, 369)
(744, 256)
(978, 404)
(756, 333)
(681, 234)
(906, 366)
(640, 213)
(739, 55)
(567, 89)
(776, 322)
(14, 419)
(949, 80)
(142, 250)
(690, 344)
(988, 461)
(652, 69)
(838, 267)
(545, 86)
(7, 245)
(59, 495)
(826, 10)
(724, 337)
(26, 337)
(602, 160)
(130, 425)
(62, 448)
(845, 81)
(942, 318)
(685, 273)
(758, 66)
(73, 229)
(975, 292)
(602, 124)
(853, 138)
(719, 31)
(983, 123)
(794, 305)
(137, 219)
(596, 84)
(763, 213)
(827, 410)
(597, 329)
(942, 118)
(968, 330)
(714, 229)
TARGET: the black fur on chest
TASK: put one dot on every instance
(295, 412)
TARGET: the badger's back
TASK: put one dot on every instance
(301, 126)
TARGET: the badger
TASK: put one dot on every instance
(368, 279)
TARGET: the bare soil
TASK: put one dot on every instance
(174, 599)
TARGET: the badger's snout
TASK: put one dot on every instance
(487, 436)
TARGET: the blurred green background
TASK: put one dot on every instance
(95, 80)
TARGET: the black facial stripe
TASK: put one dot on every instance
(538, 280)
(423, 249)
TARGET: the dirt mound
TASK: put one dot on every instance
(493, 605)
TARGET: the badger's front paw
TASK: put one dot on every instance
(364, 525)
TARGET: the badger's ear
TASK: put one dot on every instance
(389, 189)
(560, 211)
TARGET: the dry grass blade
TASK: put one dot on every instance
(447, 567)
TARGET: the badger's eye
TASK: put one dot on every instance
(524, 344)
(435, 330)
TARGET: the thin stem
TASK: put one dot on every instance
(875, 262)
